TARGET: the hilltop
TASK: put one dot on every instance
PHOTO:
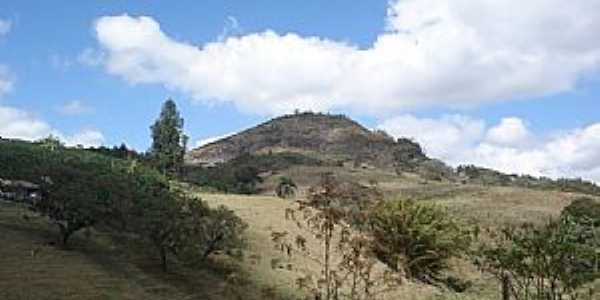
(327, 137)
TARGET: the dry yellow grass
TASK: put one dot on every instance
(487, 206)
(265, 214)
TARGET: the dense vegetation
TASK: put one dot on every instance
(553, 261)
(80, 189)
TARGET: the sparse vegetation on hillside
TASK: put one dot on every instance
(321, 135)
(242, 174)
(353, 276)
(484, 176)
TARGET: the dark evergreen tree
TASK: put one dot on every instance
(168, 140)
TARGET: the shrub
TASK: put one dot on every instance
(286, 188)
(204, 231)
(546, 262)
(417, 238)
(584, 210)
(353, 276)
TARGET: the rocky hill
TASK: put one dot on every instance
(330, 137)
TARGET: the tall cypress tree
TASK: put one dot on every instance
(168, 140)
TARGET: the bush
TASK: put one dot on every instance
(584, 210)
(417, 238)
(204, 231)
(286, 188)
(547, 262)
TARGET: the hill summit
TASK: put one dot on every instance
(328, 137)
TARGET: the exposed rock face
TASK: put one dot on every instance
(327, 136)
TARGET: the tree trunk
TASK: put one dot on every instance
(505, 287)
(65, 234)
(163, 258)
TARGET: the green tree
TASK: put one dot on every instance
(168, 140)
(541, 262)
(75, 194)
(204, 231)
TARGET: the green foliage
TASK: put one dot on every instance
(584, 210)
(121, 152)
(546, 262)
(82, 189)
(417, 238)
(204, 231)
(286, 188)
(168, 140)
(75, 185)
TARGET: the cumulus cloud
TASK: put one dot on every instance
(444, 138)
(75, 108)
(86, 138)
(510, 132)
(19, 124)
(449, 53)
(508, 146)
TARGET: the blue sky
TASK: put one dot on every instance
(504, 84)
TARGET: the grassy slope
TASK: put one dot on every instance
(487, 206)
(98, 269)
(95, 267)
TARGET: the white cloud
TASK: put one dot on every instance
(450, 53)
(443, 138)
(75, 108)
(87, 138)
(5, 27)
(19, 124)
(510, 132)
(508, 147)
